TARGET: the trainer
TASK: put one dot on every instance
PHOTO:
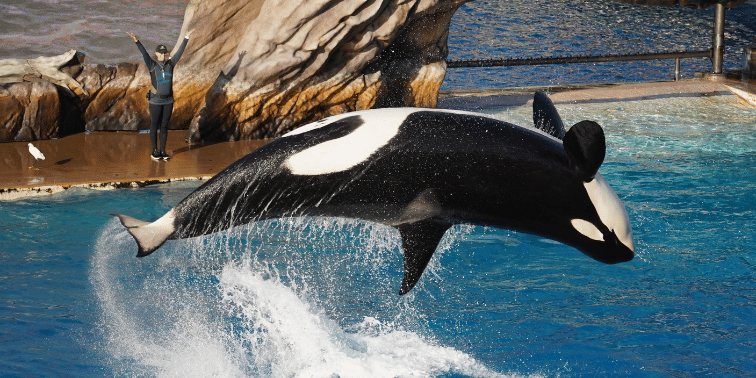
(161, 94)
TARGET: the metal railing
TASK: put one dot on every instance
(677, 55)
(715, 54)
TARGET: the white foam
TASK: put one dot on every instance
(293, 339)
(159, 319)
(154, 326)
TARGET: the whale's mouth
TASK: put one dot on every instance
(624, 256)
(612, 251)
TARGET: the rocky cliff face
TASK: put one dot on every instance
(295, 62)
(254, 69)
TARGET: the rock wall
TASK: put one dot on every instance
(297, 62)
(41, 110)
(255, 69)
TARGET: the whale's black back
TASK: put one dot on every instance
(475, 168)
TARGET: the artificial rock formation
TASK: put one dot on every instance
(43, 69)
(32, 109)
(105, 98)
(256, 69)
(288, 62)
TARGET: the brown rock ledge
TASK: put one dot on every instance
(109, 160)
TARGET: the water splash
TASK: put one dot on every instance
(288, 337)
(305, 297)
(152, 323)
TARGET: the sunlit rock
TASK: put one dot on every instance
(296, 62)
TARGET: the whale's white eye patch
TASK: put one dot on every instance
(610, 209)
(588, 229)
(341, 154)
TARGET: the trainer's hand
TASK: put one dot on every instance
(132, 36)
(189, 33)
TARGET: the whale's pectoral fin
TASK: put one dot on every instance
(424, 206)
(148, 236)
(545, 116)
(419, 240)
(586, 147)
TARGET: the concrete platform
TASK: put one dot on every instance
(495, 98)
(107, 160)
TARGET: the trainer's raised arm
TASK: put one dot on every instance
(145, 54)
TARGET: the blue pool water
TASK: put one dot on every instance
(317, 297)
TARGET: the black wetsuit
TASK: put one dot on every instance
(161, 103)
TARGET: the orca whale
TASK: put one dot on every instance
(420, 171)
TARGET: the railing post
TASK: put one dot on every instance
(717, 45)
(749, 66)
(677, 69)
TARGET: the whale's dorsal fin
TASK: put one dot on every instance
(545, 116)
(419, 240)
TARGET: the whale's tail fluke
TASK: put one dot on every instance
(149, 236)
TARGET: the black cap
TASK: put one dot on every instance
(161, 49)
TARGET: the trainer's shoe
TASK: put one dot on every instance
(155, 155)
(164, 155)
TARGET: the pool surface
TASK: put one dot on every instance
(317, 297)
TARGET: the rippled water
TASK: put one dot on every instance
(317, 297)
(480, 29)
(537, 28)
(30, 28)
